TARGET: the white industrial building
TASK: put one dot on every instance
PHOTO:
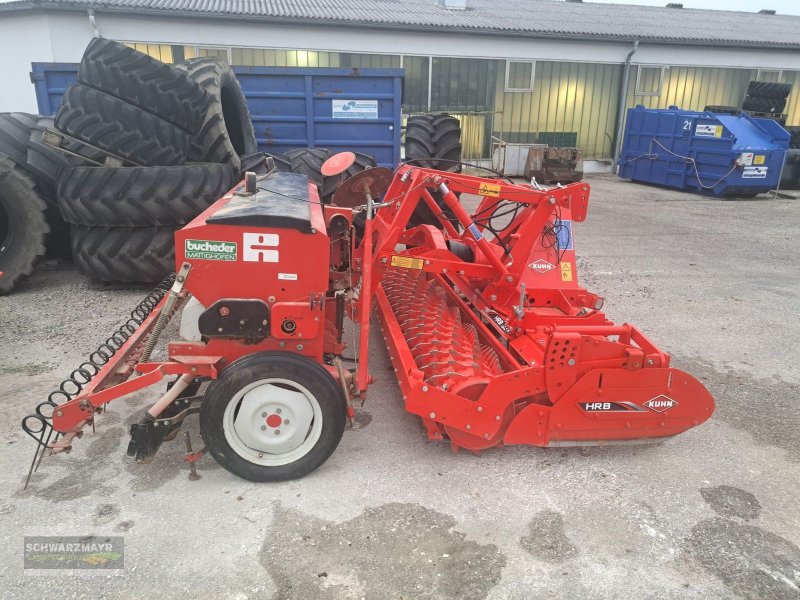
(522, 70)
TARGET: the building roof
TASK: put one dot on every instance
(540, 18)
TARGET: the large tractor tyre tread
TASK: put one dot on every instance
(432, 141)
(446, 123)
(447, 135)
(766, 105)
(140, 196)
(285, 367)
(448, 144)
(448, 157)
(124, 254)
(769, 89)
(58, 244)
(227, 133)
(331, 184)
(45, 163)
(23, 225)
(120, 128)
(254, 163)
(722, 110)
(420, 143)
(794, 131)
(138, 79)
(309, 161)
(426, 126)
(15, 131)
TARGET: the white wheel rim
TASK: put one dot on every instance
(272, 422)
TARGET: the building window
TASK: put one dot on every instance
(648, 81)
(519, 76)
(223, 53)
(772, 75)
(163, 52)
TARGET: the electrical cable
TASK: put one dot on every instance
(687, 159)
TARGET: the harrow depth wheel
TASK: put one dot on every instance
(272, 416)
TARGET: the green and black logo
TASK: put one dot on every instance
(209, 250)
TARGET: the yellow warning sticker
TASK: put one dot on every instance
(758, 159)
(406, 262)
(566, 271)
(489, 189)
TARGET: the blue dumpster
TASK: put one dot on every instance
(335, 108)
(723, 155)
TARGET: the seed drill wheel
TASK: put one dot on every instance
(273, 416)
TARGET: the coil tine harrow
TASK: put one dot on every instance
(39, 424)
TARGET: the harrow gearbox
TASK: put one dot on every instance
(491, 336)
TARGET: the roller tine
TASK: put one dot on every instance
(39, 448)
(44, 449)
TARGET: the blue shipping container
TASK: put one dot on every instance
(723, 155)
(334, 108)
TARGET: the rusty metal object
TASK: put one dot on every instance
(554, 165)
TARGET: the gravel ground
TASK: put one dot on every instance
(708, 514)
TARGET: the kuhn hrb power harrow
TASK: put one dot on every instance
(492, 339)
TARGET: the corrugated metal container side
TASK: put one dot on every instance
(703, 152)
(294, 107)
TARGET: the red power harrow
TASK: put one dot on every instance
(492, 339)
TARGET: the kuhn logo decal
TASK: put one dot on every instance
(541, 266)
(260, 247)
(209, 250)
(661, 403)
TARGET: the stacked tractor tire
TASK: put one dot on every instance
(432, 141)
(181, 133)
(141, 148)
(766, 97)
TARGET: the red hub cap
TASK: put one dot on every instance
(274, 421)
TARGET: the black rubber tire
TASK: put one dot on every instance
(264, 365)
(124, 254)
(138, 79)
(227, 133)
(331, 184)
(23, 225)
(769, 89)
(44, 163)
(282, 162)
(722, 110)
(418, 142)
(255, 163)
(794, 131)
(15, 131)
(120, 128)
(308, 161)
(432, 141)
(140, 196)
(767, 105)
